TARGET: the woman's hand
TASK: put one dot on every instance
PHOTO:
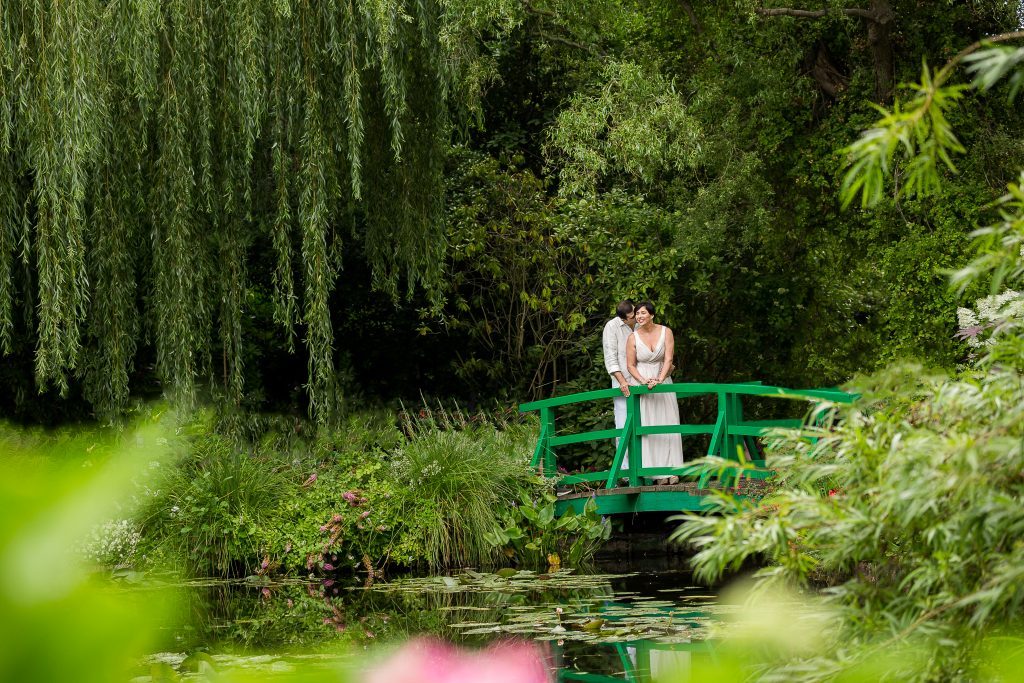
(652, 382)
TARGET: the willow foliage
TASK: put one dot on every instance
(146, 145)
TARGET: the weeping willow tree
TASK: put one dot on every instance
(145, 145)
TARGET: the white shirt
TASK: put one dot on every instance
(613, 341)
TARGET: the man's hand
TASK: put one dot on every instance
(624, 388)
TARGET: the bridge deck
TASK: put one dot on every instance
(733, 440)
(665, 498)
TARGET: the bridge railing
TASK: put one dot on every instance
(729, 432)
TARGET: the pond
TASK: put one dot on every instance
(594, 626)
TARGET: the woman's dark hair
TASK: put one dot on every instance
(646, 304)
(624, 308)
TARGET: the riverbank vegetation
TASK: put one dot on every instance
(285, 222)
(384, 493)
(434, 489)
(905, 508)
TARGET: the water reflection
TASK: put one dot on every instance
(637, 661)
(598, 627)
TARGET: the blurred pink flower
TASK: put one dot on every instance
(431, 661)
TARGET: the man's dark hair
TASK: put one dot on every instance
(624, 308)
(648, 305)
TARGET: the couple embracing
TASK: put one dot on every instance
(638, 351)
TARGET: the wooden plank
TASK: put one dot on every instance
(569, 399)
(584, 436)
(745, 430)
(696, 388)
(644, 501)
(542, 444)
(547, 420)
(583, 477)
(620, 452)
(678, 429)
(719, 433)
(636, 457)
(661, 471)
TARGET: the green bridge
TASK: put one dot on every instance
(730, 435)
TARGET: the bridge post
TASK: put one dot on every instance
(735, 412)
(635, 440)
(718, 436)
(547, 427)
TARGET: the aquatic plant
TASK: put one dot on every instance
(530, 533)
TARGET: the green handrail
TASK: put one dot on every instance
(729, 434)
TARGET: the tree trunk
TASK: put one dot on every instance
(880, 41)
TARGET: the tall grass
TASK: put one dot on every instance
(467, 472)
(211, 505)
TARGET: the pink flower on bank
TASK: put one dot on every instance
(430, 661)
(328, 567)
(310, 480)
(364, 515)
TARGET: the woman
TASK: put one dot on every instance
(649, 352)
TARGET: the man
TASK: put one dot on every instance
(616, 332)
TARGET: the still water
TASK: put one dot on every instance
(596, 626)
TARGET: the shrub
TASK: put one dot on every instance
(467, 477)
(212, 504)
(350, 510)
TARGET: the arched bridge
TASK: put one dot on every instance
(731, 435)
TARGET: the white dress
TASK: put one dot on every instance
(659, 450)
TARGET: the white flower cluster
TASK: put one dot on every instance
(406, 470)
(113, 544)
(991, 311)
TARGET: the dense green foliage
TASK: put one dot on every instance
(212, 185)
(366, 497)
(696, 161)
(908, 504)
(154, 157)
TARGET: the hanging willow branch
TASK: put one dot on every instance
(145, 145)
